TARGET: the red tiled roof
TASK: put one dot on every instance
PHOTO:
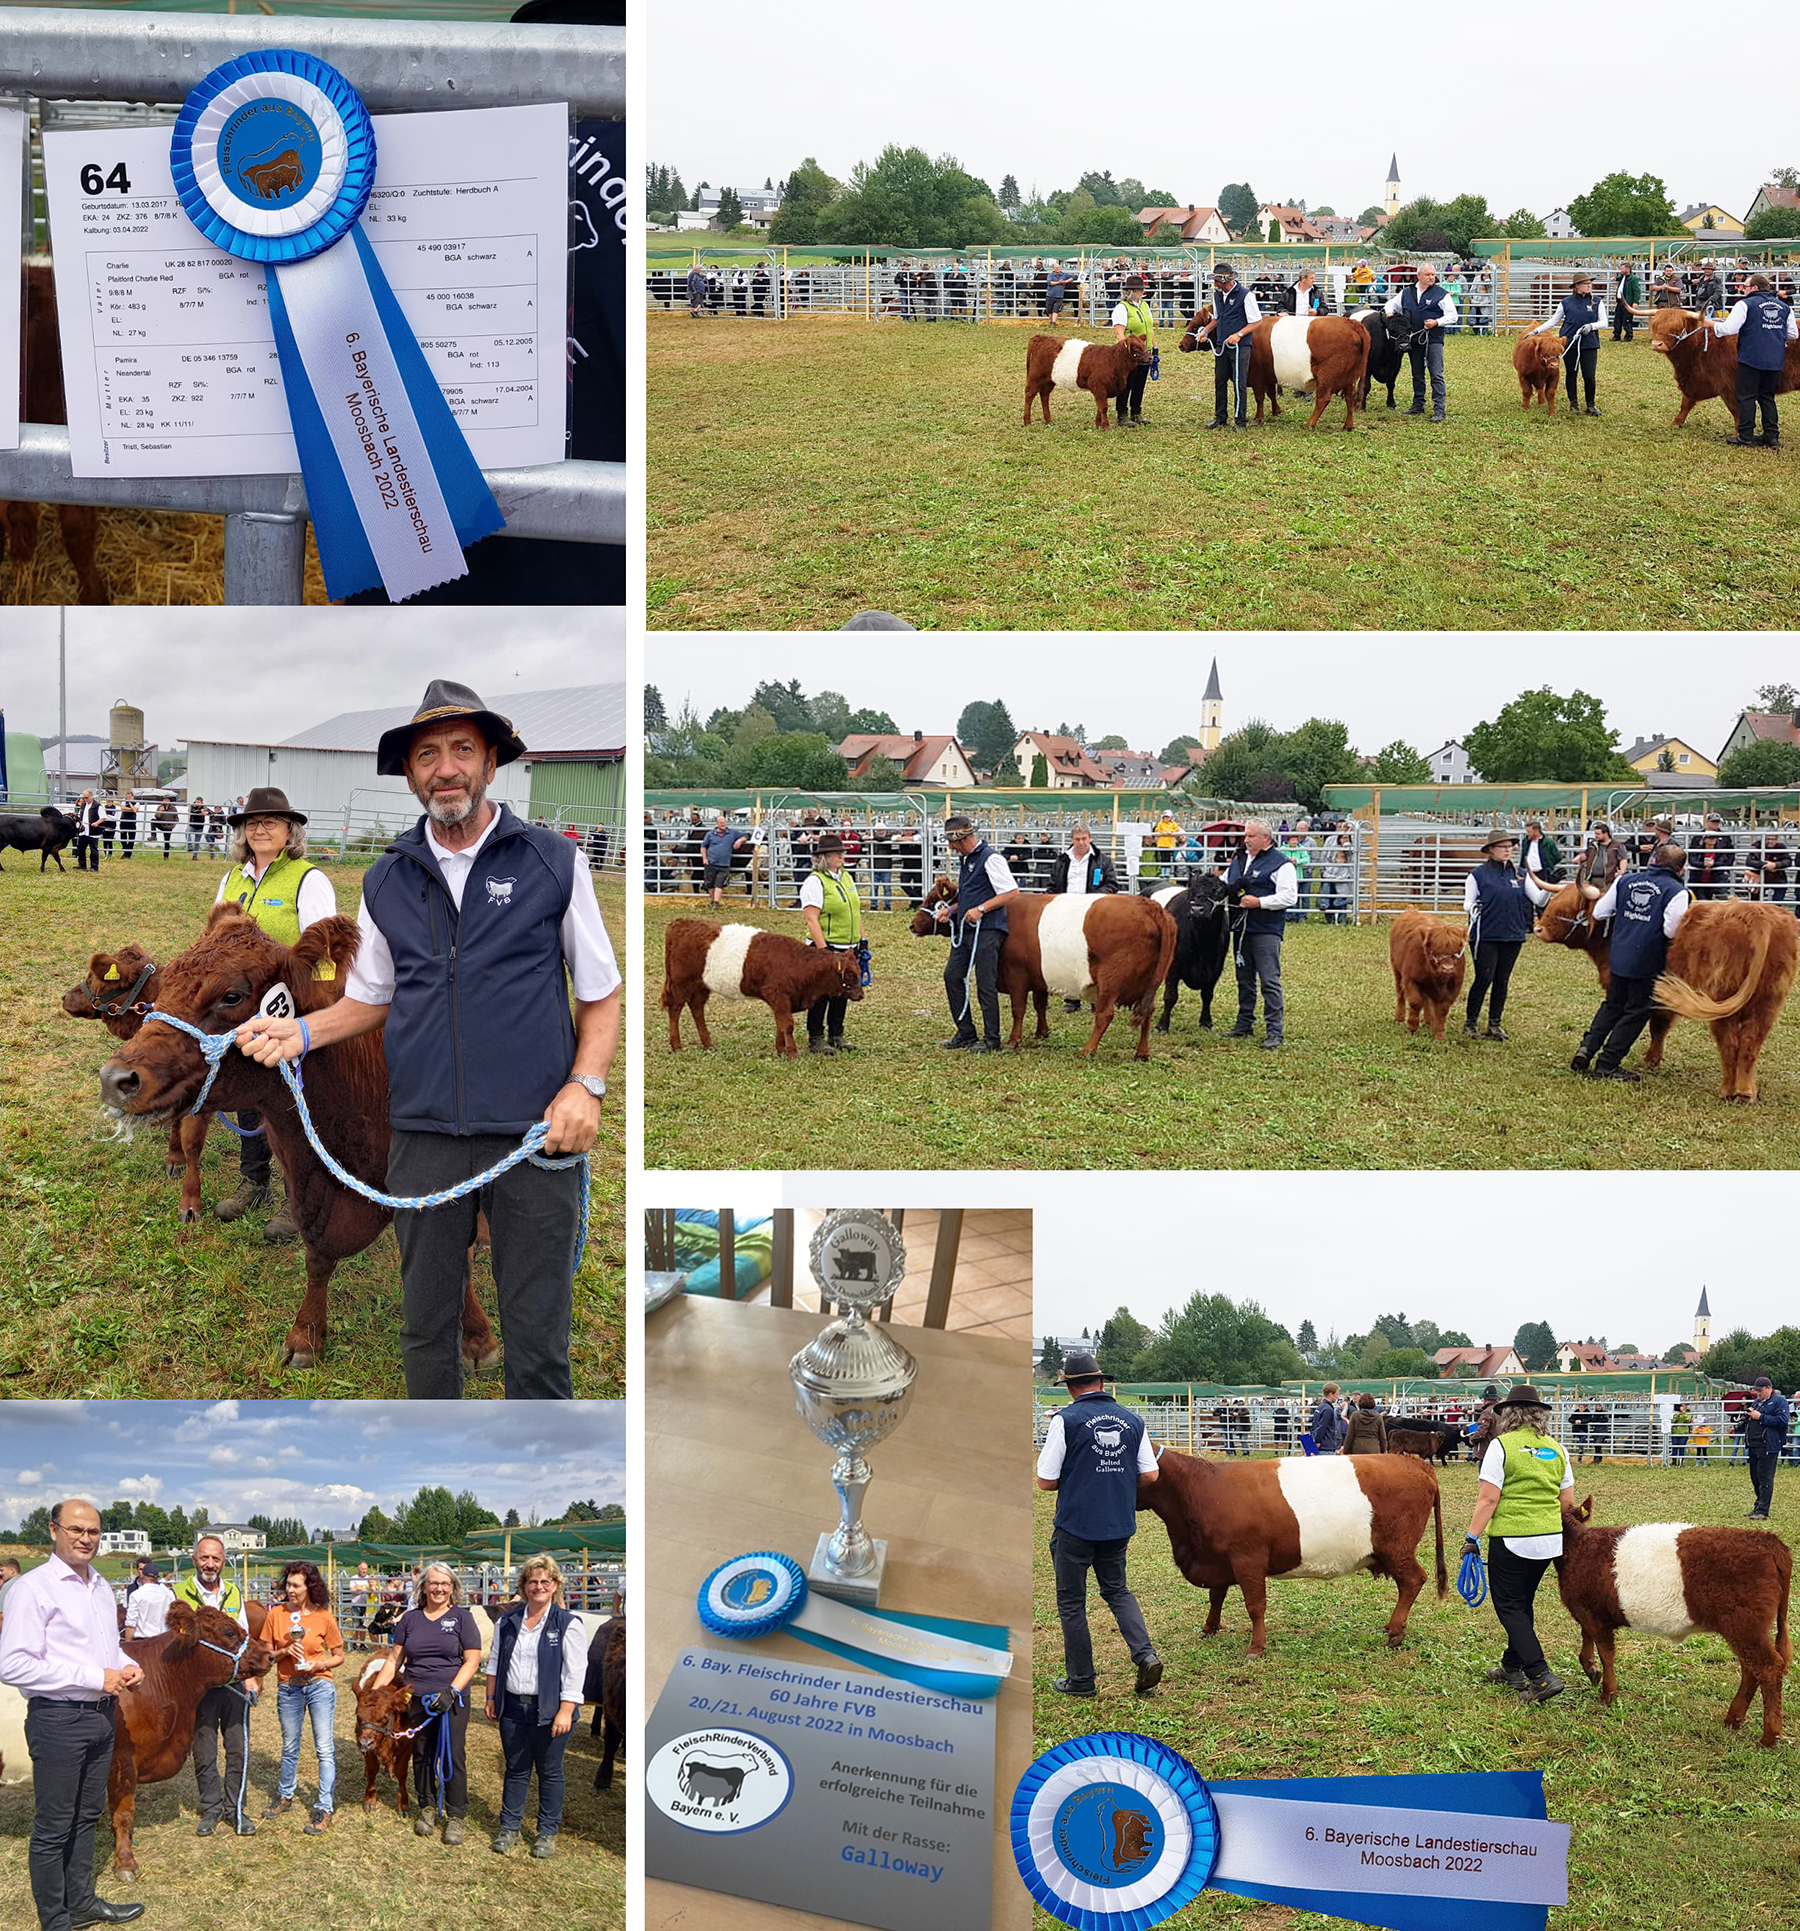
(914, 756)
(1065, 755)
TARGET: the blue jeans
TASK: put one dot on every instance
(293, 1702)
(528, 1746)
(883, 897)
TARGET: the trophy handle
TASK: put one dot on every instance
(851, 1551)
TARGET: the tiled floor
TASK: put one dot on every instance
(992, 1291)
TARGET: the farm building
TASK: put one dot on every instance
(573, 767)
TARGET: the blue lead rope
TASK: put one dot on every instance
(214, 1047)
(445, 1763)
(1471, 1579)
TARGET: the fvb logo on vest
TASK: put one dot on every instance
(719, 1781)
(499, 891)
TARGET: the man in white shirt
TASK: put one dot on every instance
(147, 1608)
(476, 928)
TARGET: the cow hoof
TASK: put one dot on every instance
(125, 1876)
(1396, 1638)
(292, 1357)
(175, 1168)
(485, 1363)
(188, 1215)
(1593, 1676)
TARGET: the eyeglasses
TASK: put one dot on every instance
(87, 1535)
(264, 824)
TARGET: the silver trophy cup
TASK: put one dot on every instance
(852, 1383)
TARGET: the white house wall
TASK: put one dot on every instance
(320, 783)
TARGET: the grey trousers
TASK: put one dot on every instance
(71, 1746)
(1430, 356)
(221, 1711)
(534, 1216)
(1071, 1558)
(1259, 963)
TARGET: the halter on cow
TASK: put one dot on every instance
(122, 1002)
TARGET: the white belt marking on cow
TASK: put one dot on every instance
(1063, 947)
(1293, 358)
(1337, 1520)
(724, 968)
(1066, 369)
(369, 1668)
(1647, 1572)
(1168, 895)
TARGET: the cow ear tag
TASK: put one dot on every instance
(326, 969)
(112, 971)
(277, 1003)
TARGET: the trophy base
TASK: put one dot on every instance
(864, 1590)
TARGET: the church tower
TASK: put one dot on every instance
(1212, 711)
(1393, 188)
(1702, 1325)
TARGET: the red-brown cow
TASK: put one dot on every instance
(120, 987)
(1538, 361)
(1731, 963)
(1672, 1580)
(153, 1721)
(1101, 368)
(745, 962)
(1111, 948)
(43, 402)
(1428, 958)
(1328, 354)
(605, 1689)
(1307, 1516)
(216, 985)
(1704, 364)
(380, 1719)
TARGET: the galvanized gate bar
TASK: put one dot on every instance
(393, 64)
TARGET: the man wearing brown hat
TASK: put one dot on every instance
(1096, 1457)
(476, 927)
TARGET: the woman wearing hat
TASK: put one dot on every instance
(1131, 317)
(833, 914)
(1578, 318)
(1524, 1482)
(1498, 899)
(271, 881)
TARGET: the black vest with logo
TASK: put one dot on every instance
(1503, 911)
(552, 1637)
(1257, 876)
(974, 887)
(1639, 950)
(1096, 1495)
(1762, 341)
(1577, 312)
(1418, 308)
(1230, 312)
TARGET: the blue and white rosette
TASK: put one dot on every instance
(273, 159)
(757, 1594)
(1114, 1832)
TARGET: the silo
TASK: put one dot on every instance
(124, 768)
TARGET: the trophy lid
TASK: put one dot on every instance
(852, 1360)
(858, 1258)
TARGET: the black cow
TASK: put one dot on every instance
(1441, 1439)
(713, 1783)
(605, 1689)
(49, 833)
(1388, 337)
(1201, 910)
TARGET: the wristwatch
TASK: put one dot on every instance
(589, 1083)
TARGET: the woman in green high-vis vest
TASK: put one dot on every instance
(1525, 1483)
(833, 914)
(272, 881)
(1132, 316)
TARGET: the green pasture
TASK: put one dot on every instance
(804, 470)
(369, 1870)
(1350, 1088)
(1677, 1821)
(103, 1293)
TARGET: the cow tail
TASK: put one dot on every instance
(1677, 996)
(1784, 1569)
(1437, 1516)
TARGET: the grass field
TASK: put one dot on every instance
(370, 1871)
(802, 471)
(102, 1292)
(1350, 1089)
(1677, 1821)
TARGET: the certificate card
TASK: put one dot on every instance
(169, 359)
(12, 189)
(855, 1796)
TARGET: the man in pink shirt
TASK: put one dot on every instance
(59, 1646)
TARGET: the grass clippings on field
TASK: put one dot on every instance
(368, 1870)
(1350, 1088)
(802, 471)
(1677, 1821)
(103, 1294)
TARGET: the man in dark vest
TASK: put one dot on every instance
(1430, 309)
(1235, 311)
(985, 887)
(1764, 325)
(476, 927)
(1096, 1457)
(1764, 1420)
(1647, 908)
(1267, 888)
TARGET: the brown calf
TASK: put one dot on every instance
(1314, 1517)
(1328, 354)
(1101, 368)
(1428, 958)
(1704, 364)
(1538, 360)
(744, 962)
(380, 1717)
(1671, 1580)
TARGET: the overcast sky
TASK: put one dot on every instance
(266, 674)
(1146, 690)
(1353, 1247)
(1309, 102)
(326, 1462)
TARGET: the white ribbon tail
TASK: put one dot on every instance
(900, 1642)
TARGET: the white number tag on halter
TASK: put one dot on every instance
(277, 1003)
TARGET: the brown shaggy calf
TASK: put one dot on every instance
(1428, 958)
(120, 987)
(1704, 364)
(1538, 360)
(1101, 368)
(1730, 963)
(745, 962)
(379, 1714)
(1669, 1579)
(218, 984)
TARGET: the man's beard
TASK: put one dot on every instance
(453, 808)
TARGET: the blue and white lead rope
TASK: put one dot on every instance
(214, 1047)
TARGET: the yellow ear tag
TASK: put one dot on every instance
(325, 969)
(112, 971)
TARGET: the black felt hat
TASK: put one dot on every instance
(444, 700)
(265, 802)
